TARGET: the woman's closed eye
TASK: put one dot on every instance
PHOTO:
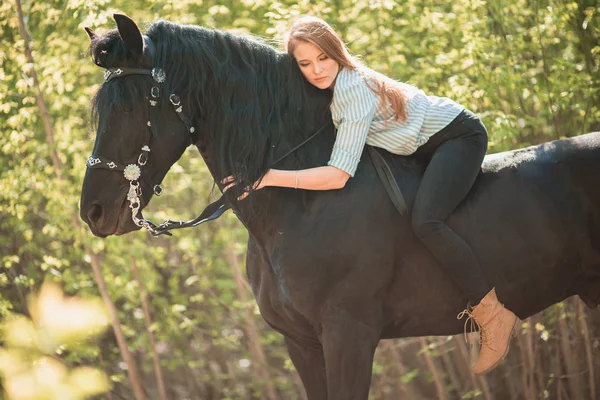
(306, 64)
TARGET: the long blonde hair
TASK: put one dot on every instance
(316, 31)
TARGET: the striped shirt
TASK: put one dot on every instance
(359, 119)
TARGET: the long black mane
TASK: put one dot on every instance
(251, 100)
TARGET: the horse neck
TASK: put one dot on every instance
(288, 109)
(253, 100)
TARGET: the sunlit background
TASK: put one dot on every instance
(136, 317)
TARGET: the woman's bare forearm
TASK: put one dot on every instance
(319, 178)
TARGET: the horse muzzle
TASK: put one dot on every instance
(102, 224)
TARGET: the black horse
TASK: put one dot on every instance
(333, 271)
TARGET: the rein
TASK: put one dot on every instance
(215, 209)
(133, 172)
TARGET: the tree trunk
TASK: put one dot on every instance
(148, 319)
(531, 365)
(449, 366)
(132, 370)
(408, 389)
(588, 348)
(485, 388)
(528, 385)
(433, 369)
(465, 356)
(569, 353)
(558, 371)
(377, 388)
(261, 365)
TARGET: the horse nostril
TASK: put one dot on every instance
(94, 213)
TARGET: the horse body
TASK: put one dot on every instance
(530, 219)
(337, 271)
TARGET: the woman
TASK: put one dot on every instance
(369, 108)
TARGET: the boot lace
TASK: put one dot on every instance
(484, 336)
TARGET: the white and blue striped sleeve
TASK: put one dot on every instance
(356, 105)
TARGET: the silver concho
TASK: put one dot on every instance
(132, 172)
(111, 165)
(158, 75)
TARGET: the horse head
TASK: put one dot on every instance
(249, 102)
(142, 130)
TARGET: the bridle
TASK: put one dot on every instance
(133, 172)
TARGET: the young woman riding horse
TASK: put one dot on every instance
(369, 108)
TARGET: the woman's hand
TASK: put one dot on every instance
(230, 182)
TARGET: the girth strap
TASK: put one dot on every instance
(388, 180)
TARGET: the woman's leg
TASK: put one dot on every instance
(447, 180)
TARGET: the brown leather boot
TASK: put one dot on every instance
(497, 326)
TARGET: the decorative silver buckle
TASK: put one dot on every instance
(132, 172)
(174, 99)
(91, 161)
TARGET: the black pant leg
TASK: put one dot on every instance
(455, 164)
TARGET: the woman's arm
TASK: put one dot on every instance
(319, 178)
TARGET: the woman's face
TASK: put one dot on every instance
(316, 66)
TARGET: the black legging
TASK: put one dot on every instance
(457, 154)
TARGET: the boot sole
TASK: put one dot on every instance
(513, 334)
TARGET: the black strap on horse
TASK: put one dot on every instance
(215, 209)
(387, 179)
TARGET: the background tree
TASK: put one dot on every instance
(530, 69)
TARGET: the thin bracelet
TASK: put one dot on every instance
(296, 180)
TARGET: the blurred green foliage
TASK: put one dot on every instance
(530, 68)
(28, 362)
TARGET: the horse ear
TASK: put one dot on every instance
(90, 33)
(130, 34)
